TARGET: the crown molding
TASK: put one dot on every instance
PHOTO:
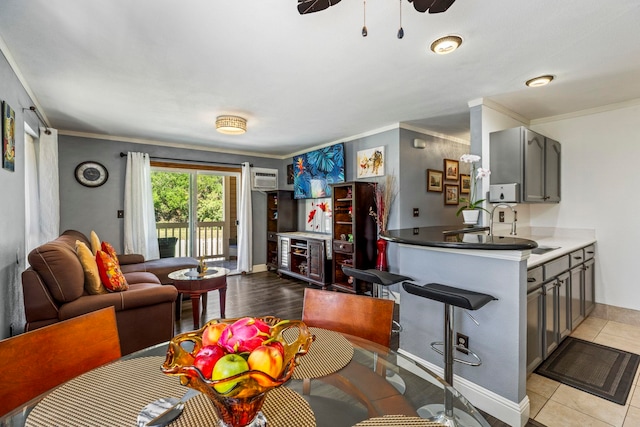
(588, 112)
(434, 134)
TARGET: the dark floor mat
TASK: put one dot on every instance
(597, 369)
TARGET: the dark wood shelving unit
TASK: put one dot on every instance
(282, 215)
(354, 233)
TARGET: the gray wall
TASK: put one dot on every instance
(12, 211)
(87, 209)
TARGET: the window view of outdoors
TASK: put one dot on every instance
(179, 234)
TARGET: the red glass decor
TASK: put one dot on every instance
(381, 262)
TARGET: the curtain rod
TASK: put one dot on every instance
(190, 161)
(40, 118)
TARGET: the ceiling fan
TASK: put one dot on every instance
(433, 6)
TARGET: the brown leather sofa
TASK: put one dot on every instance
(54, 290)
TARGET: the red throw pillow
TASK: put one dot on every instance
(110, 273)
(106, 247)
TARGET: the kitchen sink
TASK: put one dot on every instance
(544, 249)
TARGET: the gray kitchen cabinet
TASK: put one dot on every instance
(522, 156)
(563, 308)
(535, 323)
(551, 315)
(589, 286)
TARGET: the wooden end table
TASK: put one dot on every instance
(189, 281)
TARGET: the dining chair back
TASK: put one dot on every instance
(358, 315)
(40, 360)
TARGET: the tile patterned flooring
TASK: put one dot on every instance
(557, 405)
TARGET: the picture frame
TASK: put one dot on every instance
(451, 194)
(8, 137)
(434, 180)
(451, 168)
(465, 183)
(290, 173)
(370, 162)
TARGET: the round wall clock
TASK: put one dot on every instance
(91, 174)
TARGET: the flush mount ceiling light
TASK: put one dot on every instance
(231, 125)
(539, 81)
(446, 44)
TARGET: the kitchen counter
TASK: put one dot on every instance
(453, 237)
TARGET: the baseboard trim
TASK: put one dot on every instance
(512, 413)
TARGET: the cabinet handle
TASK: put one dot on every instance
(531, 279)
(577, 257)
(590, 252)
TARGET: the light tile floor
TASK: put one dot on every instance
(557, 405)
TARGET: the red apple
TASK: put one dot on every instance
(206, 359)
(228, 366)
(211, 335)
(268, 359)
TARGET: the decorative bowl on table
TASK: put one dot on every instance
(255, 348)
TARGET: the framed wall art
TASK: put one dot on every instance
(451, 168)
(8, 137)
(290, 173)
(315, 171)
(370, 162)
(465, 183)
(451, 194)
(434, 180)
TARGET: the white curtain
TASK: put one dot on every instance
(245, 231)
(140, 236)
(42, 200)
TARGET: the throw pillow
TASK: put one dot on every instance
(92, 282)
(110, 273)
(95, 243)
(106, 247)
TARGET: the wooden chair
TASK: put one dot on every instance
(39, 360)
(358, 315)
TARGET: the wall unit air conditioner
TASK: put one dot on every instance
(263, 179)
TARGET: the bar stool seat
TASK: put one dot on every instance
(377, 278)
(451, 297)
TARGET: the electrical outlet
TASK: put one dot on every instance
(416, 212)
(120, 214)
(462, 342)
(501, 216)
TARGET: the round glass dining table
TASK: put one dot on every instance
(371, 383)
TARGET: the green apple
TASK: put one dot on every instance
(228, 366)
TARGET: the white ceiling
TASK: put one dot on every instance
(163, 70)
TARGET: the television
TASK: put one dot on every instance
(315, 171)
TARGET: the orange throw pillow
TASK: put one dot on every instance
(106, 247)
(110, 273)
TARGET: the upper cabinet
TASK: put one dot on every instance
(529, 159)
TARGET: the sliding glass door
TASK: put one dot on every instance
(195, 212)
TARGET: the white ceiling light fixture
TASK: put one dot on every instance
(539, 81)
(231, 125)
(446, 44)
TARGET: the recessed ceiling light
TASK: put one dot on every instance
(231, 125)
(446, 44)
(539, 81)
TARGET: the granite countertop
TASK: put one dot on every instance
(453, 237)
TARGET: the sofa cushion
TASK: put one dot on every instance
(92, 282)
(141, 277)
(162, 267)
(138, 295)
(110, 273)
(60, 268)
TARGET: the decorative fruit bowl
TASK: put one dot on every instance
(234, 362)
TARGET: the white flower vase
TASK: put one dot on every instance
(471, 216)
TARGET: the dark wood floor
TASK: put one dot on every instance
(267, 294)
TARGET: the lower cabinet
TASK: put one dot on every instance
(560, 294)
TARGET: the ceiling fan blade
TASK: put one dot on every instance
(439, 6)
(310, 6)
(421, 5)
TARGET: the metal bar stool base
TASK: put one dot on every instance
(436, 413)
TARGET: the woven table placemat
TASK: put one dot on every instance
(397, 420)
(329, 353)
(113, 395)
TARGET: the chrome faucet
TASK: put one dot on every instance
(513, 224)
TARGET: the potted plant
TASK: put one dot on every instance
(471, 206)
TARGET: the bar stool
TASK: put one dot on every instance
(451, 297)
